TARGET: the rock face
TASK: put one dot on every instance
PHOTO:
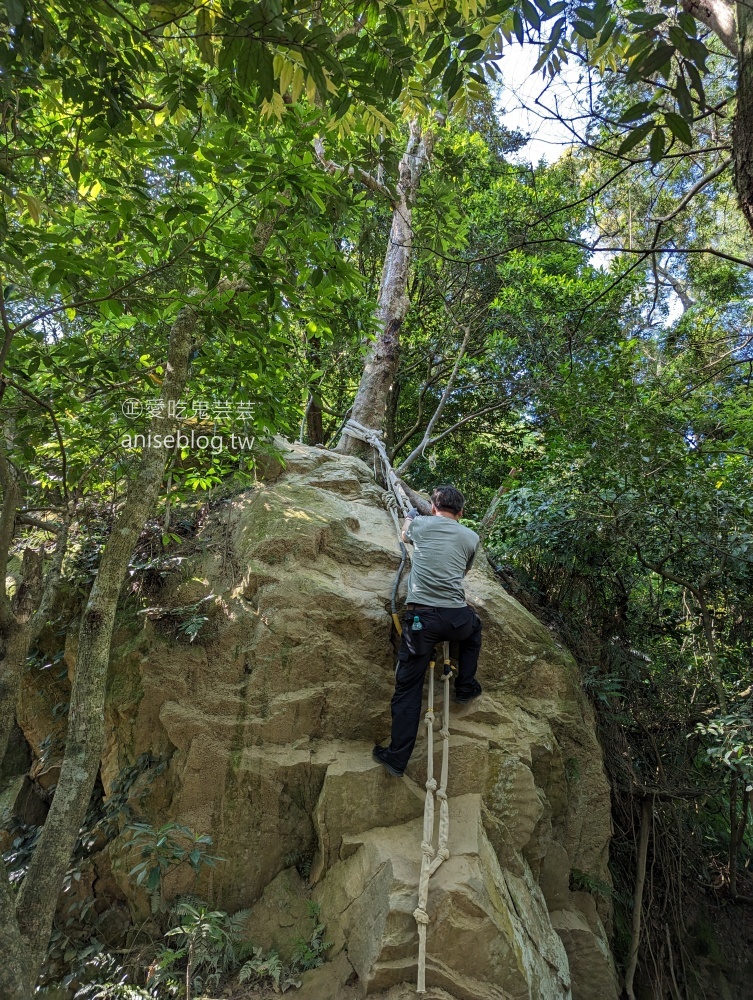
(268, 719)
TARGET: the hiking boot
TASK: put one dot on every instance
(380, 754)
(464, 698)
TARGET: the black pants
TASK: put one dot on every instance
(460, 625)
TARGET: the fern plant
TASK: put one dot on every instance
(311, 954)
(268, 969)
(211, 942)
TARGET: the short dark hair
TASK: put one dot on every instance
(448, 498)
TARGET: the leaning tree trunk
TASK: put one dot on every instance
(743, 129)
(37, 899)
(382, 359)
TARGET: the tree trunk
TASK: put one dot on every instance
(13, 982)
(314, 421)
(37, 899)
(708, 629)
(492, 511)
(736, 828)
(640, 880)
(382, 359)
(21, 621)
(314, 417)
(742, 143)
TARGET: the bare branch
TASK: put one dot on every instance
(46, 406)
(465, 420)
(422, 505)
(677, 286)
(426, 439)
(354, 172)
(706, 179)
(35, 522)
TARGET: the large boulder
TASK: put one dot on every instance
(268, 718)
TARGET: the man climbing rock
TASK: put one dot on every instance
(443, 552)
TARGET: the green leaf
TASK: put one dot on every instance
(439, 64)
(517, 25)
(585, 13)
(531, 14)
(551, 45)
(470, 42)
(680, 40)
(645, 20)
(584, 30)
(634, 137)
(204, 35)
(696, 82)
(678, 127)
(455, 85)
(265, 73)
(247, 63)
(635, 112)
(449, 76)
(545, 8)
(656, 146)
(74, 167)
(212, 276)
(638, 45)
(606, 32)
(682, 96)
(15, 11)
(434, 47)
(646, 65)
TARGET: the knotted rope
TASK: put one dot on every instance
(395, 501)
(374, 438)
(431, 859)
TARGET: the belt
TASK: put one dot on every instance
(420, 607)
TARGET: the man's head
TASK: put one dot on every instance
(448, 501)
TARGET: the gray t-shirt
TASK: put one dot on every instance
(443, 552)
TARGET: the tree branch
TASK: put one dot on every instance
(421, 447)
(706, 179)
(470, 416)
(677, 286)
(354, 172)
(717, 15)
(46, 406)
(35, 522)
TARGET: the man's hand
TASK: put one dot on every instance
(412, 514)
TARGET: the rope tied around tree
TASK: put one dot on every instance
(431, 858)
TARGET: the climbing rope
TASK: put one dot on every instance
(374, 438)
(431, 858)
(394, 500)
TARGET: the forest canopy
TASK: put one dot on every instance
(223, 222)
